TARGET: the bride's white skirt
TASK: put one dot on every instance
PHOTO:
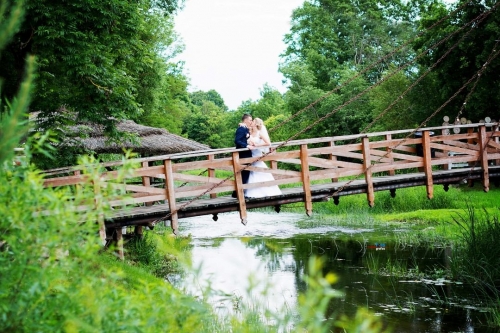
(257, 177)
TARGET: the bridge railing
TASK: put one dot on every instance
(178, 179)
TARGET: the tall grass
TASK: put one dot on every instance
(477, 256)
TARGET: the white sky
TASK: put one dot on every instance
(233, 46)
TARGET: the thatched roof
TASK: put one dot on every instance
(151, 140)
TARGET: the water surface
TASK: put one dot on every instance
(262, 265)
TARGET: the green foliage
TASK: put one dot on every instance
(170, 100)
(206, 125)
(465, 60)
(104, 61)
(156, 252)
(344, 112)
(199, 97)
(313, 305)
(332, 35)
(475, 259)
(394, 113)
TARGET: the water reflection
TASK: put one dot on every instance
(262, 265)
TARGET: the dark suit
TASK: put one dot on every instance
(240, 140)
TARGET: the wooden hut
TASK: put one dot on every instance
(148, 140)
(143, 140)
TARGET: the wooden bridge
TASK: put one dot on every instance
(172, 187)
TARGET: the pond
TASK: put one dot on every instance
(262, 264)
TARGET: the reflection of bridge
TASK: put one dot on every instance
(170, 187)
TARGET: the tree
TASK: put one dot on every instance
(100, 59)
(328, 35)
(476, 43)
(206, 124)
(335, 51)
(171, 102)
(199, 97)
(392, 112)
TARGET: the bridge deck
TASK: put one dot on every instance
(306, 170)
(319, 192)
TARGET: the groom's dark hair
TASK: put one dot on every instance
(245, 116)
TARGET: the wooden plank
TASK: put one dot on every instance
(146, 180)
(195, 178)
(98, 206)
(334, 149)
(348, 154)
(211, 174)
(190, 191)
(390, 156)
(379, 153)
(426, 142)
(132, 188)
(170, 194)
(138, 200)
(119, 243)
(493, 144)
(367, 164)
(148, 171)
(65, 181)
(483, 159)
(458, 144)
(455, 149)
(296, 161)
(215, 164)
(306, 182)
(333, 158)
(239, 188)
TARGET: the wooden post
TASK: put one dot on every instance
(426, 147)
(240, 194)
(78, 187)
(388, 137)
(483, 155)
(333, 158)
(98, 207)
(497, 139)
(306, 181)
(367, 163)
(273, 164)
(119, 243)
(146, 181)
(170, 193)
(211, 174)
(446, 166)
(138, 231)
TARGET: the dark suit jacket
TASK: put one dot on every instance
(240, 140)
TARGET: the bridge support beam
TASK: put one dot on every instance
(119, 243)
(306, 179)
(367, 164)
(240, 194)
(146, 181)
(426, 146)
(389, 155)
(483, 155)
(170, 193)
(211, 174)
(98, 206)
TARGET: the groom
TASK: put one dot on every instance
(240, 140)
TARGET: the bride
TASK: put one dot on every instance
(260, 139)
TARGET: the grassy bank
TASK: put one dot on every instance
(410, 205)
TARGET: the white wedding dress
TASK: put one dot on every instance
(257, 177)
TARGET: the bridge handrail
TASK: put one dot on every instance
(221, 151)
(339, 157)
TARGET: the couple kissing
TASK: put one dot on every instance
(252, 135)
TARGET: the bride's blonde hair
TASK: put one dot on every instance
(258, 123)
